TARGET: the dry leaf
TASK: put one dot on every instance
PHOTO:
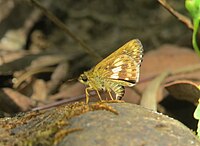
(39, 90)
(47, 60)
(57, 77)
(13, 101)
(167, 57)
(68, 91)
(184, 90)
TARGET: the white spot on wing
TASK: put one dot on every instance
(127, 79)
(114, 76)
(117, 69)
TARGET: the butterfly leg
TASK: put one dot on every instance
(99, 95)
(87, 94)
(110, 95)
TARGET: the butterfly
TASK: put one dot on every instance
(112, 74)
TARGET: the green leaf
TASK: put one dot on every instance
(197, 116)
(193, 7)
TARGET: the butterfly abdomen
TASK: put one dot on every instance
(116, 88)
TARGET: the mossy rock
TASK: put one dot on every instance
(96, 124)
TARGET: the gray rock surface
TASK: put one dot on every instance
(134, 126)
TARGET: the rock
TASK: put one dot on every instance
(96, 124)
(133, 126)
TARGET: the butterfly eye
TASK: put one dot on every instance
(84, 78)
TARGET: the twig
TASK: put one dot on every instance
(62, 26)
(59, 103)
(149, 96)
(187, 69)
(185, 20)
(137, 91)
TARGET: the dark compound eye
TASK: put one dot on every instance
(84, 78)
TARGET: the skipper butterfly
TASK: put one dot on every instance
(116, 71)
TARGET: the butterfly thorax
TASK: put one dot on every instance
(96, 82)
(92, 80)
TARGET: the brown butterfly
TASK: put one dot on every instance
(119, 69)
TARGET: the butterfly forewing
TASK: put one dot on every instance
(122, 64)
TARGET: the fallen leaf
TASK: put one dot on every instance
(184, 90)
(57, 77)
(47, 60)
(68, 91)
(167, 57)
(13, 101)
(39, 90)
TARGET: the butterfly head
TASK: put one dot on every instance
(83, 79)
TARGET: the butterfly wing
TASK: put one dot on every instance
(123, 64)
